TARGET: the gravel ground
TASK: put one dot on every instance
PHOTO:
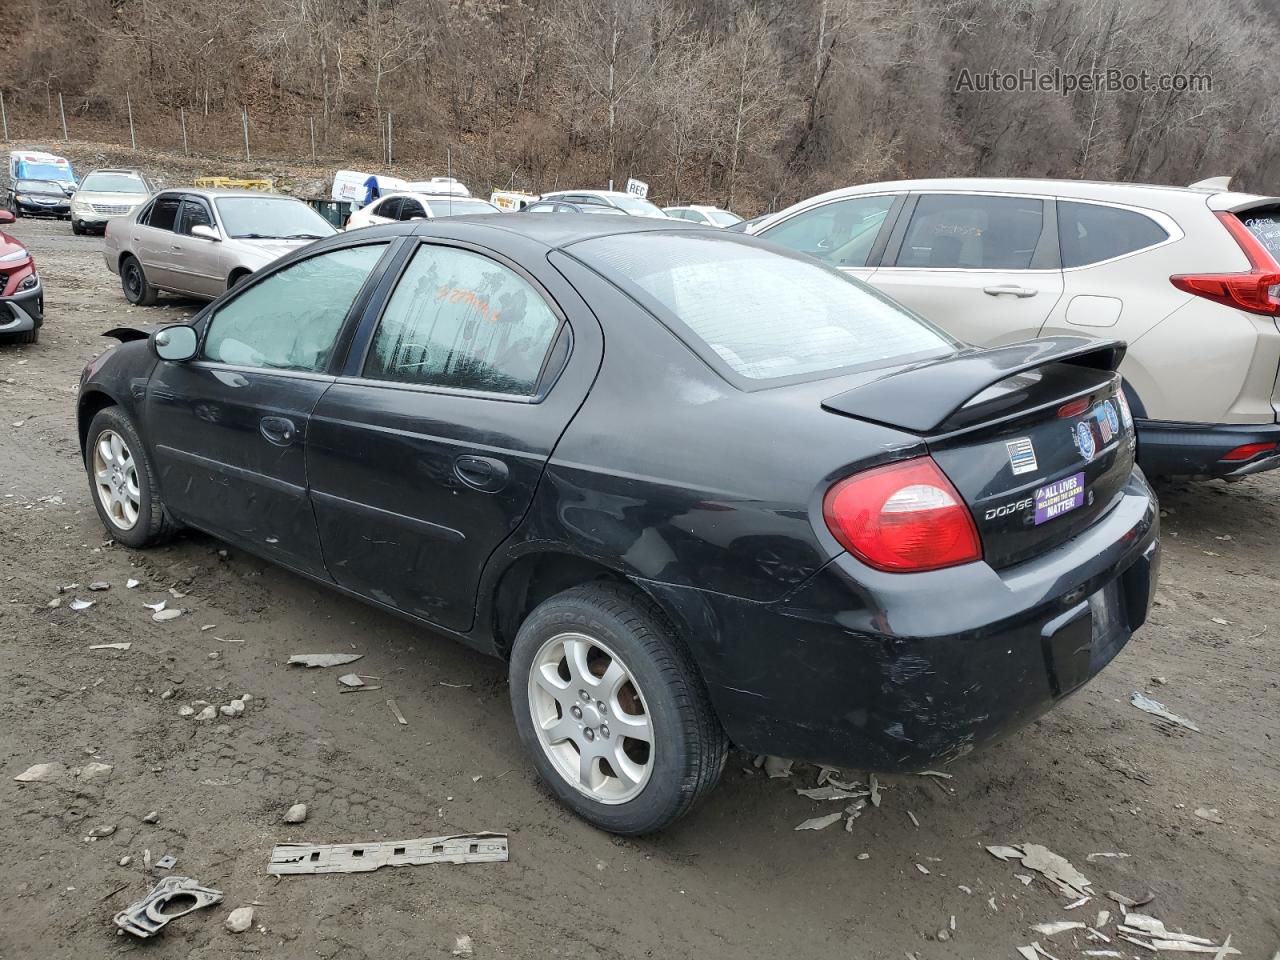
(732, 880)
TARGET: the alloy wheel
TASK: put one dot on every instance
(590, 717)
(115, 477)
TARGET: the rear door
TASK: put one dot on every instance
(426, 455)
(229, 429)
(984, 267)
(848, 232)
(411, 209)
(152, 241)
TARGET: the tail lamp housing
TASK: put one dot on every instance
(1257, 291)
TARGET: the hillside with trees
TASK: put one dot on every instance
(744, 103)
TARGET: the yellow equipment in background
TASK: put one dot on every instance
(233, 183)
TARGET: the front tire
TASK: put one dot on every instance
(77, 228)
(133, 280)
(612, 709)
(122, 481)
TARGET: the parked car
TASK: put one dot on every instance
(38, 165)
(200, 243)
(1188, 276)
(38, 198)
(696, 492)
(708, 216)
(21, 295)
(439, 186)
(396, 207)
(559, 206)
(106, 194)
(628, 203)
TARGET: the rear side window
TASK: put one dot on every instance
(1093, 232)
(764, 315)
(291, 319)
(961, 231)
(840, 233)
(1265, 225)
(164, 213)
(457, 319)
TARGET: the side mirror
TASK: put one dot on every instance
(205, 232)
(176, 343)
(6, 216)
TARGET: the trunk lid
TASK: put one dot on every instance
(1034, 436)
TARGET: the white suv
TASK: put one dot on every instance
(1189, 276)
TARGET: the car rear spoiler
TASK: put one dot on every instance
(125, 334)
(924, 397)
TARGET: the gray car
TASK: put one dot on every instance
(200, 243)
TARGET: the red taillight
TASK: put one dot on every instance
(1073, 409)
(1257, 291)
(904, 518)
(1248, 451)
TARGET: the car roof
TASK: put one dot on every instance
(550, 231)
(124, 170)
(431, 197)
(591, 193)
(214, 193)
(1082, 189)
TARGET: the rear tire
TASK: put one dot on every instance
(587, 666)
(122, 481)
(133, 280)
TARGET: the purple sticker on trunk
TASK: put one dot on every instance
(1059, 497)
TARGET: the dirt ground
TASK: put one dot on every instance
(732, 880)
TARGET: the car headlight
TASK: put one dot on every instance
(15, 256)
(21, 199)
(30, 282)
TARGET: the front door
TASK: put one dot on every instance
(982, 267)
(196, 261)
(229, 429)
(427, 458)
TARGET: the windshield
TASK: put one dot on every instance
(113, 183)
(458, 206)
(39, 186)
(723, 218)
(637, 205)
(764, 315)
(271, 218)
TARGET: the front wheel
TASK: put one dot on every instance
(122, 481)
(133, 280)
(77, 228)
(613, 711)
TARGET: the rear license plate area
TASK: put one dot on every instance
(1085, 639)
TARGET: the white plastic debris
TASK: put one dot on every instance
(99, 585)
(155, 607)
(324, 659)
(923, 869)
(110, 646)
(351, 680)
(1054, 868)
(170, 613)
(820, 823)
(462, 946)
(296, 814)
(78, 604)
(1060, 926)
(1158, 709)
(239, 920)
(830, 793)
(132, 584)
(875, 791)
(1210, 814)
(94, 770)
(41, 771)
(777, 768)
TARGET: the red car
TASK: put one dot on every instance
(21, 295)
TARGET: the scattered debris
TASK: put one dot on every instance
(1061, 926)
(294, 858)
(208, 713)
(820, 823)
(324, 659)
(169, 613)
(1128, 903)
(830, 793)
(1025, 879)
(923, 869)
(1078, 903)
(935, 773)
(167, 862)
(1093, 857)
(99, 585)
(41, 771)
(1103, 917)
(1157, 709)
(176, 593)
(152, 817)
(171, 898)
(78, 604)
(398, 715)
(111, 646)
(875, 791)
(208, 626)
(125, 861)
(777, 768)
(106, 830)
(965, 890)
(132, 584)
(913, 819)
(462, 946)
(1057, 870)
(239, 920)
(232, 709)
(1218, 620)
(1103, 953)
(186, 711)
(1210, 813)
(94, 770)
(155, 607)
(1159, 681)
(351, 680)
(296, 814)
(864, 856)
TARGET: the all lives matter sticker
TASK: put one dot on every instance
(1061, 496)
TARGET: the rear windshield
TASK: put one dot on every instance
(635, 205)
(723, 218)
(1265, 225)
(765, 315)
(459, 206)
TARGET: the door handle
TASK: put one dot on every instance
(1010, 289)
(278, 430)
(481, 473)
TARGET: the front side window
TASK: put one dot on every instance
(411, 209)
(194, 213)
(972, 232)
(458, 319)
(764, 315)
(840, 233)
(1092, 232)
(271, 218)
(164, 213)
(291, 319)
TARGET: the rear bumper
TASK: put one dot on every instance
(23, 312)
(900, 672)
(1168, 448)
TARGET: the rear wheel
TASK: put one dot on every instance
(612, 709)
(122, 481)
(133, 280)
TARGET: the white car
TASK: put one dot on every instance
(416, 206)
(1188, 276)
(628, 203)
(698, 213)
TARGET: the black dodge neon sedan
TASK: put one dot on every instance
(695, 489)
